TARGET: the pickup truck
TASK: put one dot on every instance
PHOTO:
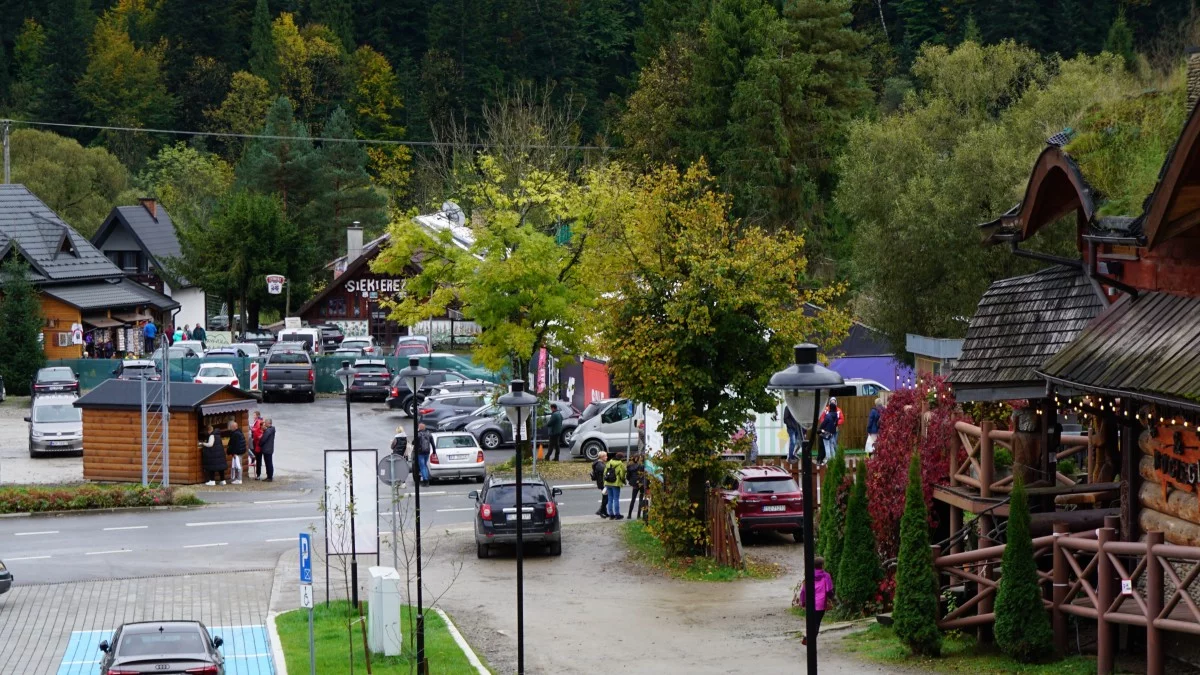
(288, 373)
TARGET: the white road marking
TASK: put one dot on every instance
(271, 541)
(435, 492)
(124, 550)
(250, 522)
(30, 534)
(469, 508)
(276, 501)
(224, 543)
(32, 557)
(127, 527)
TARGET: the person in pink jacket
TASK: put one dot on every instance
(823, 587)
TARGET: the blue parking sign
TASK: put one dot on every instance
(305, 558)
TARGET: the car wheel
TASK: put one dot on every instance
(479, 479)
(34, 454)
(490, 440)
(410, 406)
(312, 397)
(555, 548)
(482, 550)
(798, 536)
(266, 397)
(592, 450)
(568, 435)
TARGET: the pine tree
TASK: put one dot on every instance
(69, 25)
(20, 327)
(971, 31)
(858, 576)
(263, 60)
(1120, 41)
(335, 15)
(914, 610)
(922, 22)
(347, 194)
(1022, 627)
(833, 520)
(288, 168)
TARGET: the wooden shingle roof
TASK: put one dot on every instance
(1019, 324)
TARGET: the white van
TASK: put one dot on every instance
(307, 335)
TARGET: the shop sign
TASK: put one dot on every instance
(1177, 458)
(386, 286)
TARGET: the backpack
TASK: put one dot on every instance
(610, 474)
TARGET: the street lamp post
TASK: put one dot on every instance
(415, 375)
(346, 375)
(806, 378)
(518, 405)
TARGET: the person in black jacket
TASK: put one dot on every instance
(795, 434)
(266, 445)
(423, 447)
(212, 456)
(598, 477)
(635, 475)
(235, 447)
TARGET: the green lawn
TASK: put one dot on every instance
(332, 643)
(649, 550)
(960, 654)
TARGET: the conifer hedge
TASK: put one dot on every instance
(859, 571)
(1022, 627)
(833, 520)
(914, 611)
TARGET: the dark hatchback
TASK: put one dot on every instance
(6, 578)
(496, 515)
(168, 647)
(371, 379)
(55, 380)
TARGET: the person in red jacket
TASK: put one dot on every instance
(256, 432)
(830, 430)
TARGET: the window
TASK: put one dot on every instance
(506, 495)
(154, 644)
(769, 486)
(57, 413)
(456, 442)
(621, 410)
(55, 375)
(336, 306)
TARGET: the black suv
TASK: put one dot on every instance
(54, 380)
(496, 514)
(137, 370)
(331, 336)
(399, 395)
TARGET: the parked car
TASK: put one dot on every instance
(864, 387)
(54, 380)
(308, 336)
(263, 339)
(218, 323)
(195, 346)
(139, 369)
(3, 392)
(6, 578)
(371, 379)
(331, 335)
(162, 647)
(766, 498)
(456, 455)
(434, 409)
(287, 347)
(367, 344)
(347, 353)
(288, 373)
(496, 514)
(55, 425)
(460, 422)
(452, 381)
(216, 373)
(174, 353)
(239, 349)
(606, 425)
(410, 345)
(493, 432)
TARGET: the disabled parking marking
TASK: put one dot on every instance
(246, 650)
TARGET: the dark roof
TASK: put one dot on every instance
(184, 396)
(155, 234)
(1021, 322)
(861, 340)
(109, 294)
(1148, 345)
(43, 238)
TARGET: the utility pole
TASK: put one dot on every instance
(7, 174)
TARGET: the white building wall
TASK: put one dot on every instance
(192, 305)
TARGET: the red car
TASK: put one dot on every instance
(766, 498)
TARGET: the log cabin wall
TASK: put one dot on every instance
(1170, 473)
(112, 447)
(57, 317)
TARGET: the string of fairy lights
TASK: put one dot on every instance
(1149, 413)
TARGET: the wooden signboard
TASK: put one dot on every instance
(1177, 458)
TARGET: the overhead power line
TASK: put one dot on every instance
(357, 141)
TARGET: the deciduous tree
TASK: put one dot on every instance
(188, 182)
(242, 112)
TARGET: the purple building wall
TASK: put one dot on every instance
(883, 369)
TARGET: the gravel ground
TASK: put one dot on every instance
(16, 466)
(593, 609)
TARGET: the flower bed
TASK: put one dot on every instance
(21, 499)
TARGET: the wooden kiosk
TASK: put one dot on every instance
(113, 428)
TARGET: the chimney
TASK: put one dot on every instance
(1193, 77)
(354, 242)
(150, 205)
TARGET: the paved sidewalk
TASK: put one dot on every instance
(37, 621)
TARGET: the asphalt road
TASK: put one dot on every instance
(242, 529)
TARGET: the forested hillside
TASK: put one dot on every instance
(824, 117)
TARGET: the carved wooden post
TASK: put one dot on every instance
(1154, 605)
(987, 467)
(1061, 580)
(1106, 590)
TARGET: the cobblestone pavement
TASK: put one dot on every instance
(36, 621)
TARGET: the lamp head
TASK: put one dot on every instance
(518, 404)
(414, 374)
(803, 381)
(345, 374)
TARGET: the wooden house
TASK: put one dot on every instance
(112, 427)
(85, 299)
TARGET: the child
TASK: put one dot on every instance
(823, 586)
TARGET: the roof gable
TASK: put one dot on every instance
(1174, 205)
(42, 237)
(154, 233)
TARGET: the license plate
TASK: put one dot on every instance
(458, 458)
(775, 507)
(371, 384)
(287, 386)
(59, 444)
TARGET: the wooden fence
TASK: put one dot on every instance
(724, 541)
(1094, 576)
(854, 430)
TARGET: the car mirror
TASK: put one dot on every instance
(473, 494)
(103, 646)
(28, 420)
(217, 641)
(556, 492)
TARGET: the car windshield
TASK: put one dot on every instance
(407, 349)
(370, 368)
(139, 369)
(355, 344)
(55, 375)
(216, 371)
(463, 441)
(506, 495)
(591, 411)
(57, 413)
(487, 410)
(288, 357)
(153, 644)
(769, 486)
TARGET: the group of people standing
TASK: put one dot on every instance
(422, 448)
(610, 475)
(222, 451)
